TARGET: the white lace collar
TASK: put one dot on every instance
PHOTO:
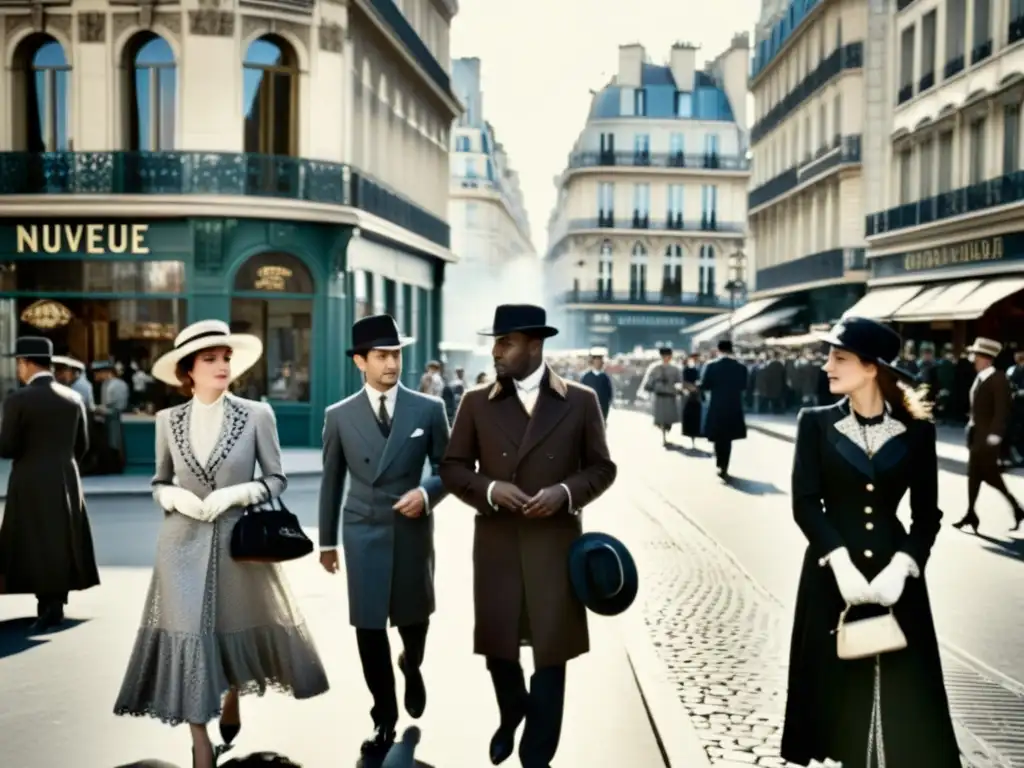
(869, 437)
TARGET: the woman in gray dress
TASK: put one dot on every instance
(213, 628)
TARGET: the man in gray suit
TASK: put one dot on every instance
(381, 438)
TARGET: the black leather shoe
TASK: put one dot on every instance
(415, 689)
(503, 742)
(50, 616)
(379, 743)
(969, 520)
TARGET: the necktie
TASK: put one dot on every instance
(382, 415)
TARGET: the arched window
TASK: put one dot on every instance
(638, 273)
(273, 300)
(271, 96)
(707, 270)
(152, 92)
(42, 86)
(672, 274)
(605, 268)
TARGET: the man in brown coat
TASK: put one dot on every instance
(528, 453)
(990, 415)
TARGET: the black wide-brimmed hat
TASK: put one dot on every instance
(520, 318)
(870, 340)
(376, 332)
(36, 348)
(603, 573)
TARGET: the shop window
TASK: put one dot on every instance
(42, 93)
(271, 95)
(362, 292)
(92, 277)
(152, 91)
(283, 321)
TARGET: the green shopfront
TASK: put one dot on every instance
(122, 289)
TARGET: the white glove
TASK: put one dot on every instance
(174, 499)
(993, 439)
(851, 582)
(888, 585)
(223, 499)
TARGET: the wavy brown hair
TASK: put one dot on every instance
(907, 402)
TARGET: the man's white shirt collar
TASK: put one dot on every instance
(532, 382)
(389, 398)
(985, 373)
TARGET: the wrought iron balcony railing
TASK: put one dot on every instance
(707, 223)
(213, 173)
(659, 298)
(844, 150)
(608, 159)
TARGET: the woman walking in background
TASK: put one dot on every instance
(873, 702)
(692, 407)
(213, 628)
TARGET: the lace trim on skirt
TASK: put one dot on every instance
(180, 677)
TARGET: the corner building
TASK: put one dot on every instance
(652, 202)
(490, 230)
(816, 110)
(946, 243)
(280, 165)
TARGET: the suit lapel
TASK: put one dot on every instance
(401, 428)
(548, 413)
(364, 421)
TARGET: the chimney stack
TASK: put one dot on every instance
(683, 63)
(631, 60)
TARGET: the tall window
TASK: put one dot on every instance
(977, 164)
(956, 31)
(641, 202)
(982, 27)
(152, 85)
(945, 161)
(675, 206)
(270, 97)
(706, 273)
(605, 204)
(605, 266)
(672, 273)
(43, 84)
(927, 163)
(928, 27)
(362, 290)
(642, 149)
(273, 299)
(708, 207)
(906, 188)
(638, 273)
(1011, 138)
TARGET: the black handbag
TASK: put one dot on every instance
(268, 533)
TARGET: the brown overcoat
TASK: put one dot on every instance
(520, 566)
(991, 402)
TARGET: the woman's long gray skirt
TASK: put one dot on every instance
(210, 624)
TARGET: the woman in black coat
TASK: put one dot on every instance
(854, 462)
(691, 400)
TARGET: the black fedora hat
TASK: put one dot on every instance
(603, 573)
(870, 340)
(376, 332)
(520, 318)
(37, 348)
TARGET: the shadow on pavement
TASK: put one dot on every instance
(255, 760)
(696, 453)
(753, 487)
(1005, 547)
(15, 636)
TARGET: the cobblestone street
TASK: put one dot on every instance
(719, 566)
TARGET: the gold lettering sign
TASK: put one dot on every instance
(272, 278)
(96, 239)
(969, 252)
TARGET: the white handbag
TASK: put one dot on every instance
(868, 637)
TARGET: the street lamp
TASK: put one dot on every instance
(736, 284)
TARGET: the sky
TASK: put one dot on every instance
(541, 58)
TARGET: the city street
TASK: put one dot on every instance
(718, 566)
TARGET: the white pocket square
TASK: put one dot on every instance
(416, 433)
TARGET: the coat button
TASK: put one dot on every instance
(869, 487)
(868, 510)
(870, 526)
(503, 454)
(868, 553)
(366, 460)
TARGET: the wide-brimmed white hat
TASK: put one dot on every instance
(983, 346)
(68, 362)
(245, 348)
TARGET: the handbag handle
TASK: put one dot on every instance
(846, 610)
(270, 500)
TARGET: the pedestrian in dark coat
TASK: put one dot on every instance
(46, 544)
(599, 381)
(379, 439)
(528, 454)
(990, 400)
(724, 381)
(854, 462)
(692, 406)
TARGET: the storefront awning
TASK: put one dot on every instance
(882, 303)
(977, 303)
(732, 320)
(765, 322)
(709, 322)
(934, 302)
(801, 340)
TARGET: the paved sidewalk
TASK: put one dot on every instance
(297, 462)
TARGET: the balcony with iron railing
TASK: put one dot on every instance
(981, 51)
(611, 159)
(662, 298)
(843, 151)
(214, 173)
(953, 67)
(850, 56)
(672, 222)
(1002, 190)
(832, 264)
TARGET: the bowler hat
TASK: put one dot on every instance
(376, 332)
(603, 573)
(520, 318)
(38, 348)
(870, 340)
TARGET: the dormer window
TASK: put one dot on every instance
(640, 102)
(684, 104)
